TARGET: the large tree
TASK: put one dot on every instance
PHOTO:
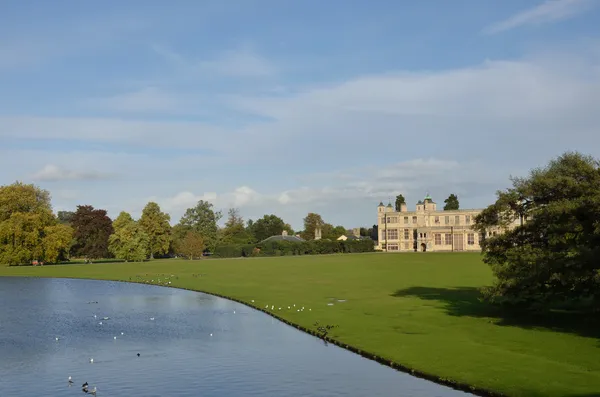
(235, 231)
(328, 231)
(129, 240)
(451, 203)
(28, 228)
(203, 219)
(312, 221)
(92, 228)
(192, 245)
(156, 225)
(550, 255)
(267, 226)
(399, 201)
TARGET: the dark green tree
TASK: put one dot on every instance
(65, 217)
(399, 201)
(92, 229)
(550, 253)
(451, 203)
(203, 219)
(267, 226)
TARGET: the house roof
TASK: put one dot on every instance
(279, 237)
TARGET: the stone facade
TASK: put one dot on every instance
(428, 229)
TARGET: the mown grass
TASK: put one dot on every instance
(419, 310)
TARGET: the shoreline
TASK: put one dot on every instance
(379, 359)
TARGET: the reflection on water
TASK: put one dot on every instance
(248, 354)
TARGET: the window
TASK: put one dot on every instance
(406, 220)
(438, 239)
(481, 237)
(393, 234)
(406, 234)
(392, 247)
(468, 219)
(382, 235)
(471, 238)
(421, 235)
(447, 220)
(414, 219)
(448, 239)
(493, 233)
(457, 219)
(425, 235)
(437, 219)
(383, 220)
(406, 246)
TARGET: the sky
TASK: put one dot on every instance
(288, 107)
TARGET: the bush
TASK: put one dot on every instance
(287, 248)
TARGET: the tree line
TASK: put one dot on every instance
(29, 230)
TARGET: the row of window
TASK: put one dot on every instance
(436, 220)
(392, 234)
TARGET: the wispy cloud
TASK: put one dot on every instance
(53, 173)
(547, 12)
(240, 62)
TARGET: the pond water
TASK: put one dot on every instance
(194, 346)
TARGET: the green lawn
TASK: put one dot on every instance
(419, 310)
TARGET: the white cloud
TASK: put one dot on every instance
(547, 12)
(53, 173)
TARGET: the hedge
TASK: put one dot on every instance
(283, 248)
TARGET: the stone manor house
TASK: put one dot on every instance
(428, 229)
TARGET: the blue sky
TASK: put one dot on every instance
(290, 107)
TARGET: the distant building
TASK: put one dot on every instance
(284, 237)
(353, 234)
(429, 229)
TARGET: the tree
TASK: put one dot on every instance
(28, 227)
(399, 201)
(192, 245)
(203, 219)
(328, 231)
(156, 225)
(235, 232)
(129, 240)
(550, 254)
(374, 233)
(65, 217)
(364, 232)
(267, 226)
(92, 228)
(57, 242)
(451, 203)
(312, 221)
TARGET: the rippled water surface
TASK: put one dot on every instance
(248, 354)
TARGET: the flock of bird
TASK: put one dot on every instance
(166, 281)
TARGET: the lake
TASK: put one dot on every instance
(189, 344)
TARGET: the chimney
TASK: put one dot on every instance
(403, 207)
(356, 232)
(317, 233)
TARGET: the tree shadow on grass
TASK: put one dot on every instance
(464, 301)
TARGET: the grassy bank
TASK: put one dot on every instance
(419, 310)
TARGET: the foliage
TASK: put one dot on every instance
(22, 198)
(451, 203)
(267, 226)
(65, 217)
(552, 257)
(92, 228)
(156, 225)
(203, 219)
(27, 226)
(364, 232)
(329, 232)
(282, 248)
(129, 241)
(56, 242)
(374, 233)
(399, 201)
(192, 245)
(235, 231)
(312, 221)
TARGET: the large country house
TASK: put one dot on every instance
(428, 229)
